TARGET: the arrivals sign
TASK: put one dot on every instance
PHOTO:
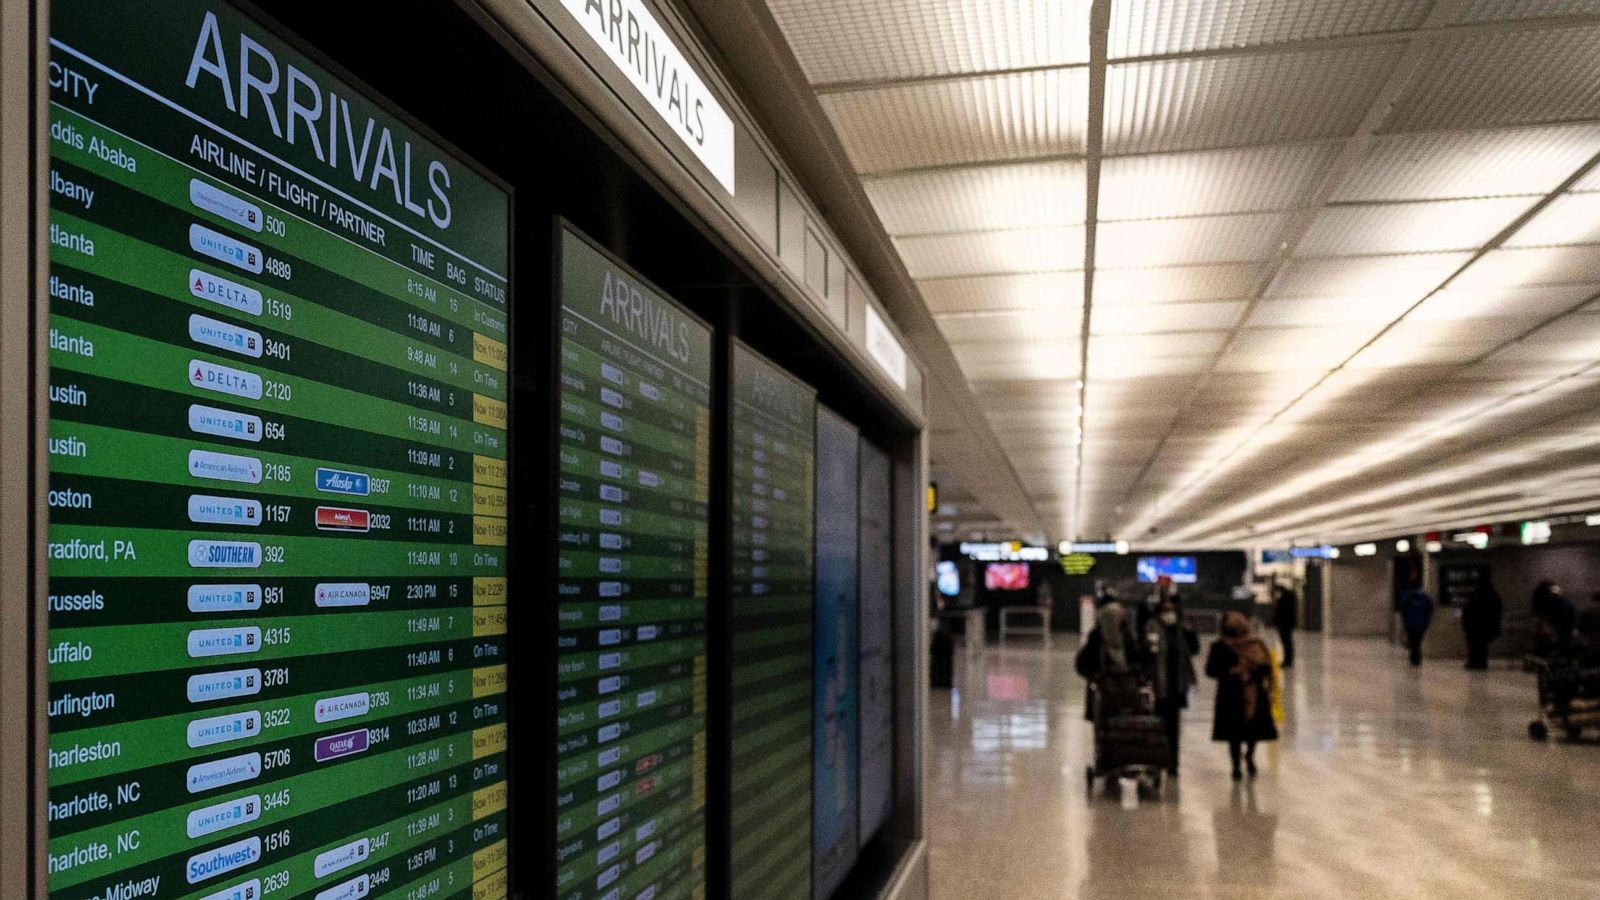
(278, 471)
(630, 35)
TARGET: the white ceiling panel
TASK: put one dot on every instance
(1524, 304)
(1569, 219)
(1020, 360)
(1151, 27)
(1504, 78)
(1189, 343)
(1112, 367)
(1210, 182)
(1415, 227)
(1172, 284)
(847, 40)
(1110, 319)
(990, 118)
(1354, 309)
(980, 199)
(1293, 349)
(1533, 265)
(1047, 290)
(1400, 277)
(1237, 100)
(1446, 165)
(1248, 237)
(1497, 10)
(1036, 325)
(992, 252)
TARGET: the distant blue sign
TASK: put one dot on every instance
(1177, 569)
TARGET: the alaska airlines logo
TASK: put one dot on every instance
(335, 481)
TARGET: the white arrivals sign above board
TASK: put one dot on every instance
(646, 54)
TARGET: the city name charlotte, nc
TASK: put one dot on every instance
(300, 112)
(653, 320)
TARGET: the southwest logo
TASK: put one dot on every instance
(335, 481)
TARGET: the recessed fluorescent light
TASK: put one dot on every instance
(1592, 519)
(1366, 549)
(1435, 546)
(1402, 546)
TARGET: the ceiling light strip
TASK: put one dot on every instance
(1094, 138)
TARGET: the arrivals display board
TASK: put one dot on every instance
(633, 492)
(835, 697)
(877, 647)
(770, 601)
(278, 462)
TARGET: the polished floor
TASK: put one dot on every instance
(1389, 782)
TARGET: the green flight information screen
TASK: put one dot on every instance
(278, 476)
(633, 492)
(770, 596)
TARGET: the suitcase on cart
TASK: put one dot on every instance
(1130, 740)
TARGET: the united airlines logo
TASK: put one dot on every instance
(223, 423)
(212, 333)
(220, 247)
(335, 481)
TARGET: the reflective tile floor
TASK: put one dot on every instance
(1389, 782)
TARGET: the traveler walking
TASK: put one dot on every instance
(1480, 619)
(1556, 615)
(1286, 618)
(1110, 648)
(1171, 646)
(1242, 666)
(1416, 611)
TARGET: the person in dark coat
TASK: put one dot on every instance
(1108, 650)
(1286, 618)
(1480, 619)
(1556, 615)
(1242, 666)
(1171, 646)
(1416, 612)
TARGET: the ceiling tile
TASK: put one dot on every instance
(1445, 165)
(1521, 305)
(992, 252)
(1035, 325)
(1354, 309)
(981, 198)
(1401, 277)
(1496, 10)
(1414, 227)
(1189, 343)
(1569, 219)
(1233, 101)
(1533, 265)
(1247, 237)
(990, 118)
(1150, 27)
(1504, 78)
(1047, 290)
(1020, 360)
(1209, 182)
(848, 40)
(1110, 319)
(1112, 366)
(1172, 284)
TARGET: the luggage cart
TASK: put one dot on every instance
(1569, 697)
(1130, 740)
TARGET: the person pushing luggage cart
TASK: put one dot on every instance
(1130, 740)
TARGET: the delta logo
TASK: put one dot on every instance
(334, 518)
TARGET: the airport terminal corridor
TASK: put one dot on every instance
(1388, 782)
